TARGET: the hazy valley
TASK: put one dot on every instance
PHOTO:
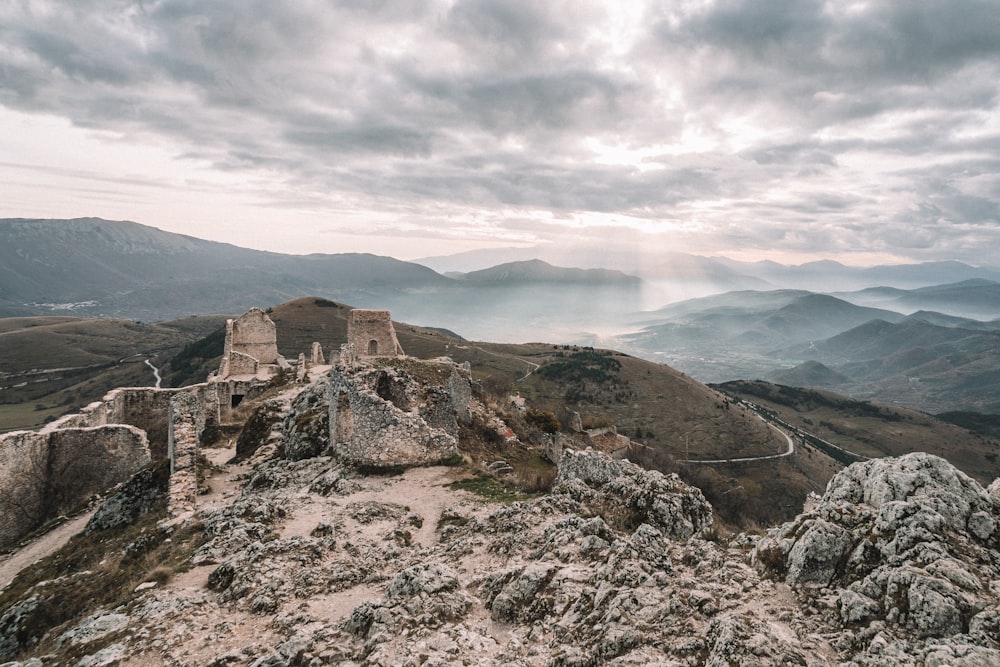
(921, 336)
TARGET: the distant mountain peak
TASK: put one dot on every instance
(536, 270)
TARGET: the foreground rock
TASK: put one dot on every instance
(312, 563)
(902, 555)
(315, 565)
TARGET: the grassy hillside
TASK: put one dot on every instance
(671, 416)
(875, 430)
(53, 365)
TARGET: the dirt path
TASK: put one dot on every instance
(41, 547)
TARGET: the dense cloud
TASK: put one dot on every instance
(805, 126)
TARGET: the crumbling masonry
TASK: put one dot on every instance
(249, 357)
(384, 417)
(52, 472)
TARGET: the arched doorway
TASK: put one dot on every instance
(373, 348)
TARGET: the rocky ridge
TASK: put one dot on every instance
(902, 554)
(302, 560)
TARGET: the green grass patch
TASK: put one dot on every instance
(492, 489)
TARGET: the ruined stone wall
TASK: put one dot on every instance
(230, 393)
(437, 410)
(146, 408)
(255, 335)
(251, 345)
(94, 414)
(371, 333)
(369, 430)
(242, 364)
(48, 473)
(23, 471)
(187, 420)
(86, 461)
(316, 357)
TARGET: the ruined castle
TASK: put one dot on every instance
(378, 417)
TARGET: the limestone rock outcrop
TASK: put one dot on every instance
(131, 499)
(306, 429)
(632, 495)
(301, 558)
(901, 549)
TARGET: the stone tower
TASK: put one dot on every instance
(251, 345)
(371, 334)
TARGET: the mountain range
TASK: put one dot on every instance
(926, 360)
(903, 336)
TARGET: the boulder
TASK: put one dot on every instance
(908, 541)
(627, 495)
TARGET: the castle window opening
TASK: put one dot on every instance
(372, 348)
(237, 399)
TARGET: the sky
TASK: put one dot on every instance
(792, 130)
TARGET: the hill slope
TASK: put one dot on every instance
(53, 365)
(98, 267)
(538, 272)
(874, 430)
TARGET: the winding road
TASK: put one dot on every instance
(788, 452)
(156, 373)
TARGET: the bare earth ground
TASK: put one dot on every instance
(184, 624)
(209, 630)
(41, 547)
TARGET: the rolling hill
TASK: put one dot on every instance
(912, 362)
(742, 334)
(537, 272)
(93, 267)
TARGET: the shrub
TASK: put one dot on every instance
(544, 421)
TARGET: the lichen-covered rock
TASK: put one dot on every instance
(132, 499)
(516, 595)
(93, 628)
(817, 552)
(16, 630)
(306, 428)
(628, 495)
(426, 595)
(909, 541)
(263, 426)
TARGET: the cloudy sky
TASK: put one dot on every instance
(787, 129)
